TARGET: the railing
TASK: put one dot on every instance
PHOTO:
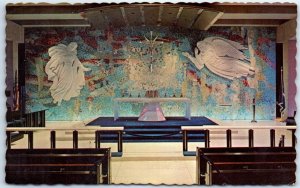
(206, 131)
(98, 131)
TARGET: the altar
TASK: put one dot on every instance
(186, 101)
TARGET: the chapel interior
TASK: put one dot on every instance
(151, 93)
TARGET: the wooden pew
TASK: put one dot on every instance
(251, 173)
(246, 166)
(58, 166)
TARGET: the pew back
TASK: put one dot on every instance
(246, 166)
(58, 166)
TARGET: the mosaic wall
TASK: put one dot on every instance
(127, 62)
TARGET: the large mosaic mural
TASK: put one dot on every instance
(75, 73)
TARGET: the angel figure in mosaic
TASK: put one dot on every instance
(66, 72)
(223, 57)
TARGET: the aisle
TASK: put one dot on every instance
(154, 163)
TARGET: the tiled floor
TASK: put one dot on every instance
(155, 163)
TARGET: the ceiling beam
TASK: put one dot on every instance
(258, 16)
(206, 19)
(178, 15)
(182, 14)
(223, 7)
(142, 15)
(248, 8)
(81, 23)
(48, 9)
(124, 16)
(249, 22)
(44, 16)
(187, 17)
(196, 18)
(161, 10)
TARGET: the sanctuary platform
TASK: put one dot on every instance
(164, 131)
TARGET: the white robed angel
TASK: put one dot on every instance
(66, 72)
(222, 57)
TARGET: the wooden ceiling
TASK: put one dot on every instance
(188, 15)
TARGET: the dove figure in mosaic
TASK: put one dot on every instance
(66, 72)
(223, 57)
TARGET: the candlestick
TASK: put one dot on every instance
(253, 107)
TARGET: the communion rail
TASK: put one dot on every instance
(206, 131)
(98, 131)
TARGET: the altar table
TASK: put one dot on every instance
(186, 101)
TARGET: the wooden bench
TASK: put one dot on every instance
(246, 166)
(58, 166)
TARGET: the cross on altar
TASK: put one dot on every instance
(151, 43)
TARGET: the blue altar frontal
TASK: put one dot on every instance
(133, 121)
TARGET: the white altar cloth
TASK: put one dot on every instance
(186, 101)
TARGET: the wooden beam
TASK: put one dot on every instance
(49, 9)
(161, 9)
(53, 22)
(124, 16)
(178, 15)
(207, 19)
(187, 17)
(142, 15)
(222, 7)
(258, 16)
(213, 20)
(248, 22)
(196, 18)
(137, 14)
(44, 16)
(248, 8)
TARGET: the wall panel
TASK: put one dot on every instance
(120, 62)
